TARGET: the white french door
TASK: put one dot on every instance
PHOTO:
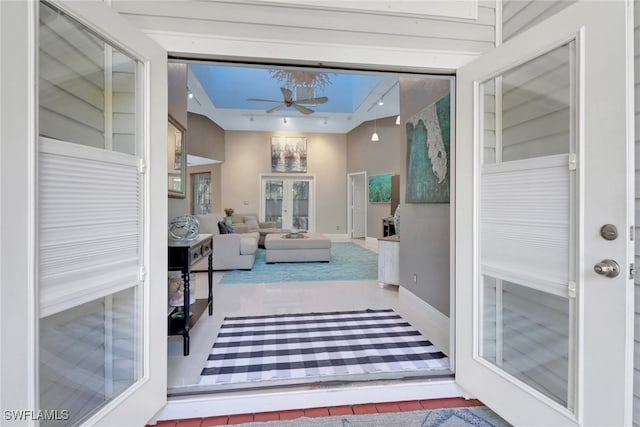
(94, 91)
(357, 214)
(544, 317)
(289, 201)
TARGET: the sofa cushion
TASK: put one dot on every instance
(240, 228)
(248, 245)
(251, 221)
(209, 223)
(229, 228)
(222, 227)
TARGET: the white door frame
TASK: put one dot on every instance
(350, 178)
(18, 210)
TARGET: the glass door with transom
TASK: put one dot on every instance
(289, 201)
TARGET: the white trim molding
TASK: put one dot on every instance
(209, 405)
(430, 319)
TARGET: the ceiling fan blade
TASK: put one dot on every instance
(262, 100)
(288, 95)
(320, 100)
(303, 110)
(276, 108)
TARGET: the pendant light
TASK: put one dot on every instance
(375, 137)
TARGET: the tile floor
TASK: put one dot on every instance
(291, 297)
(371, 408)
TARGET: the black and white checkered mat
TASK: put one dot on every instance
(293, 346)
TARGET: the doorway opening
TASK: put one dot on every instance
(342, 191)
(357, 205)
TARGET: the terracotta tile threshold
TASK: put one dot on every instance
(368, 408)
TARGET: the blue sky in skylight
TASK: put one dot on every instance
(230, 87)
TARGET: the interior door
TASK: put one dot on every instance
(358, 204)
(93, 98)
(544, 326)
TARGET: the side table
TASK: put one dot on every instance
(182, 255)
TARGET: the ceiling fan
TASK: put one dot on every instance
(288, 101)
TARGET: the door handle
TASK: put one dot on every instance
(607, 268)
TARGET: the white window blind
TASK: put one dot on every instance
(90, 226)
(525, 222)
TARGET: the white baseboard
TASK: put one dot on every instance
(336, 236)
(371, 243)
(210, 405)
(428, 320)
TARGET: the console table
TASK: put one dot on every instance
(182, 255)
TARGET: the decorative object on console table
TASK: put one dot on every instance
(176, 293)
(184, 228)
(182, 255)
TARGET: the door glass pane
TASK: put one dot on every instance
(526, 224)
(201, 196)
(88, 355)
(87, 86)
(274, 192)
(90, 347)
(527, 111)
(526, 333)
(301, 205)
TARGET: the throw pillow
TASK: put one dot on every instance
(229, 228)
(222, 226)
(251, 221)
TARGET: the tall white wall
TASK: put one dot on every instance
(248, 154)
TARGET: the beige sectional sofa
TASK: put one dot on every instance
(247, 222)
(236, 251)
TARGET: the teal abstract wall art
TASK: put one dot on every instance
(380, 188)
(428, 154)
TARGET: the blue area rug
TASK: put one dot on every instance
(348, 262)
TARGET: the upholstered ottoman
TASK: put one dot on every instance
(311, 247)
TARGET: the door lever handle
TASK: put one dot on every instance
(607, 268)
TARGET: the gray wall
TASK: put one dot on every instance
(248, 154)
(425, 228)
(382, 157)
(206, 139)
(177, 77)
